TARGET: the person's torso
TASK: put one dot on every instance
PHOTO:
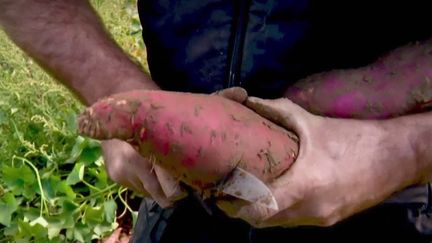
(264, 46)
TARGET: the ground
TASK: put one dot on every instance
(53, 186)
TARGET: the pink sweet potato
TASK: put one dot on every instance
(397, 84)
(198, 138)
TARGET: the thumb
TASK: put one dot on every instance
(282, 111)
(254, 214)
(236, 94)
(287, 191)
(170, 185)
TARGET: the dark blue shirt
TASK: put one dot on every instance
(265, 46)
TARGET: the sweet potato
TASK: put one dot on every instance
(397, 84)
(198, 138)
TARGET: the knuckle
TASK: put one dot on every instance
(329, 222)
(255, 215)
(327, 217)
(113, 175)
(113, 171)
(320, 182)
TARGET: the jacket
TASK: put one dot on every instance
(265, 46)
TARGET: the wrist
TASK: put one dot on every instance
(410, 136)
(132, 83)
(118, 84)
(421, 142)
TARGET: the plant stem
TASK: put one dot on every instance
(90, 185)
(43, 199)
(119, 192)
(99, 192)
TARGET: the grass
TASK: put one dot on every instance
(53, 187)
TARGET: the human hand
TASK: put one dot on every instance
(128, 168)
(344, 166)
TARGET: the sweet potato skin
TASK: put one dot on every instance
(198, 138)
(397, 84)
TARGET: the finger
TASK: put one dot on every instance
(281, 111)
(169, 184)
(291, 217)
(151, 183)
(113, 152)
(128, 168)
(236, 94)
(254, 214)
(300, 215)
(289, 189)
(262, 217)
(114, 237)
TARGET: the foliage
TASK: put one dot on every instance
(53, 185)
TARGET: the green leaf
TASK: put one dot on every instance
(76, 175)
(55, 225)
(54, 188)
(93, 215)
(134, 218)
(68, 215)
(8, 205)
(70, 234)
(78, 235)
(17, 178)
(57, 239)
(92, 143)
(80, 144)
(30, 191)
(37, 231)
(102, 230)
(40, 220)
(11, 230)
(49, 186)
(110, 208)
(33, 130)
(64, 189)
(89, 155)
(53, 231)
(9, 199)
(31, 214)
(102, 178)
(82, 233)
(99, 162)
(69, 207)
(13, 110)
(69, 221)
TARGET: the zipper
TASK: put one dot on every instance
(241, 8)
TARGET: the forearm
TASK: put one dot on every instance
(66, 37)
(414, 132)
